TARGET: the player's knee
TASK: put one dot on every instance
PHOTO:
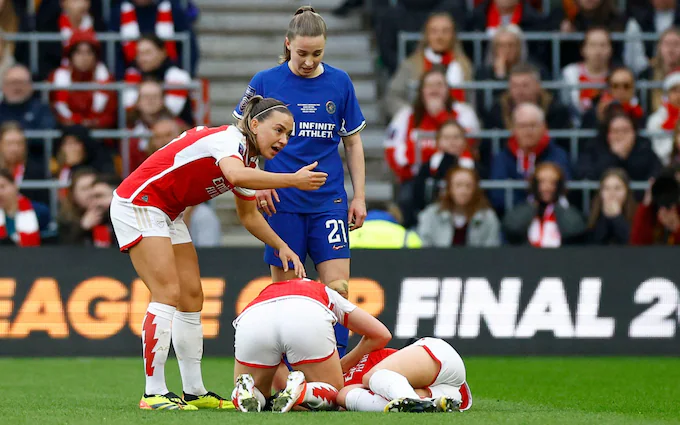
(192, 294)
(170, 293)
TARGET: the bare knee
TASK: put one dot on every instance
(168, 293)
(191, 297)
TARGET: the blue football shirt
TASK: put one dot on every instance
(325, 109)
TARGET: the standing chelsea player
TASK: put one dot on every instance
(325, 110)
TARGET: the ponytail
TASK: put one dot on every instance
(259, 108)
(305, 23)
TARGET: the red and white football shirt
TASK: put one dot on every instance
(308, 289)
(185, 172)
(355, 374)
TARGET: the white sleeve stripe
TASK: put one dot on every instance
(356, 130)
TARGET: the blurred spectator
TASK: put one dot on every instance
(675, 154)
(591, 14)
(204, 226)
(525, 87)
(453, 150)
(462, 217)
(21, 219)
(409, 15)
(620, 94)
(164, 18)
(508, 49)
(439, 46)
(546, 220)
(153, 63)
(383, 230)
(656, 17)
(666, 60)
(14, 157)
(528, 146)
(490, 15)
(93, 109)
(596, 51)
(64, 17)
(9, 23)
(100, 204)
(148, 110)
(618, 146)
(79, 221)
(611, 214)
(657, 221)
(76, 149)
(411, 140)
(6, 57)
(162, 133)
(18, 103)
(665, 118)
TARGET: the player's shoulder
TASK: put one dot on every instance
(273, 73)
(337, 75)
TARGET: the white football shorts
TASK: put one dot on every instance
(299, 328)
(131, 223)
(451, 367)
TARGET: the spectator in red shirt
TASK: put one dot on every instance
(411, 134)
(664, 119)
(657, 220)
(152, 62)
(93, 109)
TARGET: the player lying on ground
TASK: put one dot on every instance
(147, 215)
(394, 381)
(296, 318)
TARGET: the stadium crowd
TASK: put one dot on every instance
(430, 146)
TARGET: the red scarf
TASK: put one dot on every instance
(526, 161)
(129, 29)
(543, 231)
(446, 59)
(586, 96)
(18, 173)
(101, 236)
(27, 229)
(673, 115)
(493, 16)
(64, 180)
(77, 106)
(66, 28)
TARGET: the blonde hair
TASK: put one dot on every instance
(259, 108)
(305, 23)
(456, 46)
(657, 65)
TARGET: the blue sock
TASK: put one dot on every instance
(342, 338)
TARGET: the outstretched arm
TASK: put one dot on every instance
(253, 178)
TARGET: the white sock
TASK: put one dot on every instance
(156, 330)
(362, 400)
(319, 396)
(187, 339)
(391, 385)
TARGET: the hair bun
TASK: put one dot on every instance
(304, 9)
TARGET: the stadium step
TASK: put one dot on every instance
(355, 44)
(255, 21)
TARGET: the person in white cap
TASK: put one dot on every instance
(664, 119)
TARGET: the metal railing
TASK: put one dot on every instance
(109, 38)
(553, 37)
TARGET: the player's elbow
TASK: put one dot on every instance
(234, 176)
(381, 336)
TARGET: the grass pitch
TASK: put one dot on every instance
(505, 391)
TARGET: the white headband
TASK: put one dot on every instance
(268, 109)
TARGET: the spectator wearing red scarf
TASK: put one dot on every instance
(528, 146)
(15, 158)
(620, 94)
(546, 220)
(596, 51)
(666, 117)
(492, 14)
(439, 47)
(93, 109)
(21, 219)
(411, 134)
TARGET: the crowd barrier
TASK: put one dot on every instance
(506, 301)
